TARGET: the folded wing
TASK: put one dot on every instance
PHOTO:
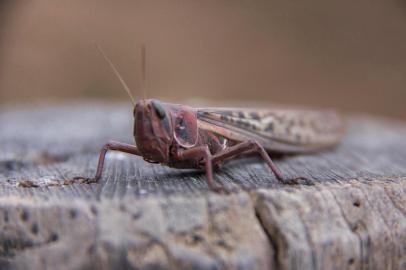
(277, 129)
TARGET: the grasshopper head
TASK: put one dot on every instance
(153, 130)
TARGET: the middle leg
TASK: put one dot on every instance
(201, 152)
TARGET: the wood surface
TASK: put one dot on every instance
(146, 216)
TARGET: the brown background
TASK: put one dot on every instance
(344, 54)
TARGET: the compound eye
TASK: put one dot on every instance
(159, 110)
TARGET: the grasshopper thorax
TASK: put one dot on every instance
(153, 130)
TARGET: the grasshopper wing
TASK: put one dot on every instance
(277, 129)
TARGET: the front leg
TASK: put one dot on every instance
(200, 152)
(116, 146)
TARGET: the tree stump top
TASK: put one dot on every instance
(143, 215)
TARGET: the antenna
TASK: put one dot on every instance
(143, 70)
(126, 88)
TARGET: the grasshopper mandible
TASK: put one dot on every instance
(180, 136)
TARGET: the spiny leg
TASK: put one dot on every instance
(201, 152)
(116, 146)
(254, 147)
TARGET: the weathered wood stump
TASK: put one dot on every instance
(145, 216)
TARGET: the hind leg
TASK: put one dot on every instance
(254, 147)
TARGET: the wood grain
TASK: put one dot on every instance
(145, 216)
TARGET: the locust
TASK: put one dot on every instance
(185, 137)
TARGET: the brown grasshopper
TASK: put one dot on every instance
(180, 136)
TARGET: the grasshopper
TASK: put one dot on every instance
(181, 136)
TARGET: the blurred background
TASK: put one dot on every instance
(343, 54)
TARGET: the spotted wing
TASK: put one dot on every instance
(278, 130)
